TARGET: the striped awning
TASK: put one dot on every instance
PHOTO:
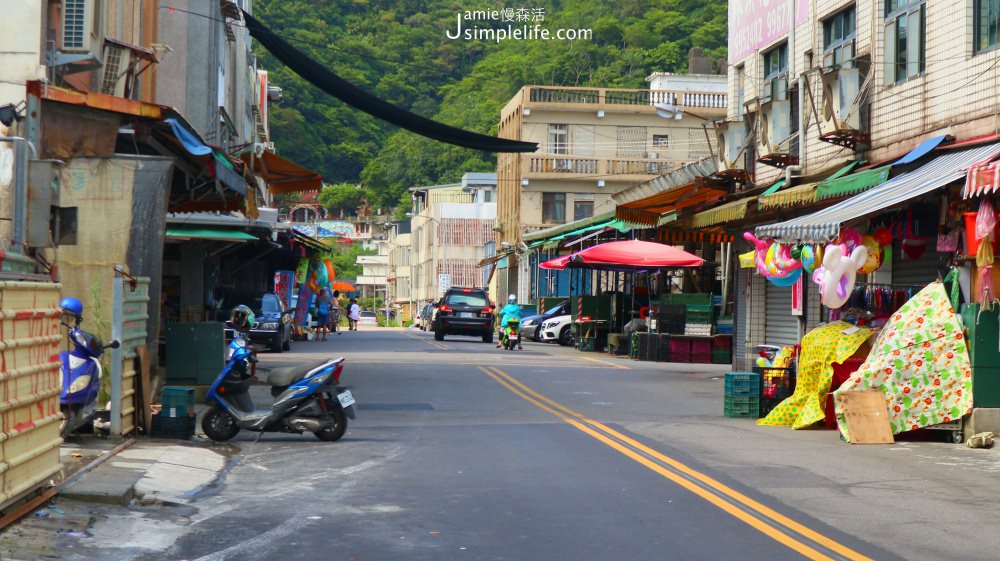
(800, 194)
(735, 210)
(824, 225)
(983, 178)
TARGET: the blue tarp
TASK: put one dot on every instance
(921, 150)
(191, 143)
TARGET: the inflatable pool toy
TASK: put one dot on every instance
(875, 256)
(840, 272)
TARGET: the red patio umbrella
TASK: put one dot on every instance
(558, 263)
(632, 255)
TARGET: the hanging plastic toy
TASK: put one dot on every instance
(875, 255)
(839, 273)
(810, 256)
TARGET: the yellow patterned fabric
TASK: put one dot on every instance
(821, 347)
(920, 362)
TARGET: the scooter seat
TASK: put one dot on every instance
(288, 375)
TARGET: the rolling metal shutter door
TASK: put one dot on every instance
(923, 271)
(780, 326)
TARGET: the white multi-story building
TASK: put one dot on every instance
(450, 225)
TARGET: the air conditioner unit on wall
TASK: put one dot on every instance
(82, 26)
(730, 138)
(840, 92)
(775, 126)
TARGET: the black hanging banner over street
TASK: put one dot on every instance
(350, 94)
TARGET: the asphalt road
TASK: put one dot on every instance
(463, 451)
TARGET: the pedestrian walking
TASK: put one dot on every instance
(323, 304)
(336, 313)
(353, 314)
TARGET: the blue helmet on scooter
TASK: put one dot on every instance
(72, 306)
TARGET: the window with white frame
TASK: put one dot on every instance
(905, 39)
(838, 38)
(986, 22)
(558, 138)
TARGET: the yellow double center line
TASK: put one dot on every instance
(775, 525)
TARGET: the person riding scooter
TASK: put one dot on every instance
(507, 313)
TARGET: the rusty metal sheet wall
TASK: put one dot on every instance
(30, 383)
(132, 335)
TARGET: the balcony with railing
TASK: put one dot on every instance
(707, 103)
(568, 167)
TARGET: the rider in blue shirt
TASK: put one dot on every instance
(511, 310)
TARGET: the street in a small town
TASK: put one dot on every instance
(536, 280)
(464, 451)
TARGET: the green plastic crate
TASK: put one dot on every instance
(177, 402)
(722, 357)
(742, 407)
(690, 299)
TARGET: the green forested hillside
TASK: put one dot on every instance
(399, 50)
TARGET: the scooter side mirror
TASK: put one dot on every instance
(114, 344)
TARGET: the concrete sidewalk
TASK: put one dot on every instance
(148, 471)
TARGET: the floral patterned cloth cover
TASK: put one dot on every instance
(824, 345)
(920, 362)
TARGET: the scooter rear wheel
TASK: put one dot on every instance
(332, 434)
(218, 424)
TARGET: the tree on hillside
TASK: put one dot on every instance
(344, 199)
(398, 50)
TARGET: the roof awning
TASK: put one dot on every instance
(218, 165)
(493, 258)
(308, 241)
(648, 211)
(844, 170)
(824, 225)
(677, 178)
(532, 238)
(800, 194)
(982, 179)
(735, 210)
(281, 175)
(214, 234)
(850, 184)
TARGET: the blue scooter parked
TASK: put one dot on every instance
(81, 370)
(307, 397)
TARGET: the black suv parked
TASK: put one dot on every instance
(464, 311)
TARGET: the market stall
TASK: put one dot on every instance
(642, 259)
(902, 269)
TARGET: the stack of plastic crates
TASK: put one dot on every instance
(742, 398)
(722, 349)
(776, 384)
(663, 348)
(698, 319)
(644, 346)
(671, 319)
(176, 418)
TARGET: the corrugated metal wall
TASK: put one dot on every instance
(29, 387)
